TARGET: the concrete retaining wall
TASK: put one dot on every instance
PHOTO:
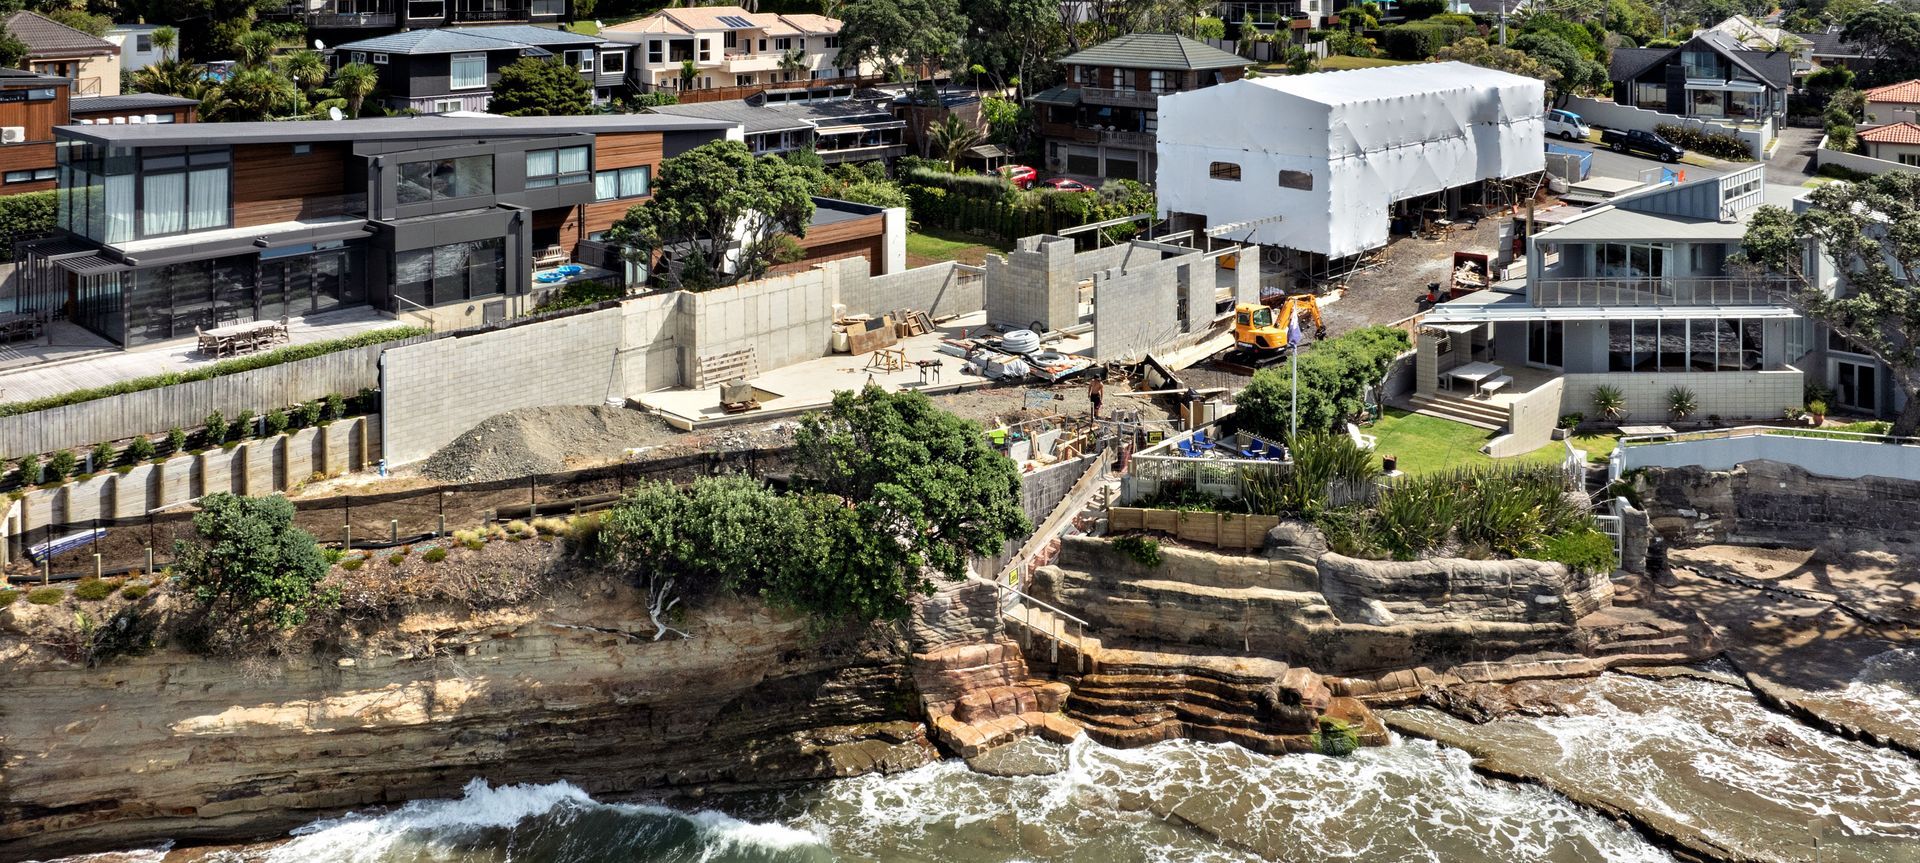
(1827, 457)
(1531, 420)
(185, 405)
(256, 467)
(1854, 161)
(1615, 116)
(941, 290)
(1731, 395)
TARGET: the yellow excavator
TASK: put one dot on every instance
(1260, 330)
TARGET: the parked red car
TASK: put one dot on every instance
(1062, 184)
(1020, 176)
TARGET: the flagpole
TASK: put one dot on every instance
(1293, 365)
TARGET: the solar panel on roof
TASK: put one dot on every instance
(735, 21)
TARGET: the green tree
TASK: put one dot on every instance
(306, 67)
(793, 65)
(709, 200)
(171, 77)
(688, 72)
(1011, 39)
(164, 40)
(1008, 122)
(532, 87)
(1889, 36)
(1334, 378)
(1415, 10)
(255, 48)
(251, 93)
(925, 493)
(82, 20)
(13, 52)
(355, 82)
(1575, 73)
(248, 565)
(953, 137)
(1479, 52)
(1871, 231)
(921, 35)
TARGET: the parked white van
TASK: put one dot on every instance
(1566, 124)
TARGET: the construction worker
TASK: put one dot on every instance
(1096, 389)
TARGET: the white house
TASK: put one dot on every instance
(1332, 153)
(731, 47)
(136, 45)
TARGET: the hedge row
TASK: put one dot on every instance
(971, 185)
(25, 215)
(1419, 40)
(1720, 145)
(220, 369)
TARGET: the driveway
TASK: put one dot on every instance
(1792, 161)
(1627, 166)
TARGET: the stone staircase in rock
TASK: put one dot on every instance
(973, 679)
(1458, 407)
(1130, 698)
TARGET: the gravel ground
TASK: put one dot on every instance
(1387, 293)
(544, 440)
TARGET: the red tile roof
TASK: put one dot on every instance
(1905, 91)
(1892, 133)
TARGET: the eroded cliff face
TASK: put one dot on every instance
(568, 686)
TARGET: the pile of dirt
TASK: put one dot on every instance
(529, 441)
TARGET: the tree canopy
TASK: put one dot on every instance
(532, 87)
(1871, 231)
(923, 34)
(1479, 52)
(248, 565)
(706, 201)
(1889, 35)
(1334, 378)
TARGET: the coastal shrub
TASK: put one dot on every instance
(336, 406)
(140, 449)
(1583, 550)
(353, 563)
(276, 423)
(28, 214)
(1335, 737)
(1572, 421)
(1609, 402)
(518, 529)
(1335, 376)
(46, 596)
(176, 441)
(1144, 550)
(311, 412)
(215, 426)
(135, 590)
(27, 471)
(242, 426)
(1720, 145)
(397, 558)
(93, 589)
(220, 369)
(248, 566)
(102, 456)
(61, 465)
(1510, 509)
(1682, 403)
(1418, 40)
(434, 555)
(1321, 459)
(585, 292)
(8, 597)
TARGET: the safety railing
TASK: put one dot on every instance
(1551, 292)
(1021, 611)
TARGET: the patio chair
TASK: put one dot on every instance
(1257, 449)
(1363, 441)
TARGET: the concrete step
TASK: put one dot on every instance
(1463, 404)
(1476, 415)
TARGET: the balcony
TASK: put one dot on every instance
(344, 15)
(1115, 137)
(1657, 292)
(491, 13)
(1120, 98)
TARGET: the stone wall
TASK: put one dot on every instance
(1452, 590)
(1768, 502)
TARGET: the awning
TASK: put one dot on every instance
(91, 265)
(1490, 313)
(1735, 86)
(861, 127)
(1066, 96)
(987, 151)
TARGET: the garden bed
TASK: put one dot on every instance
(1218, 529)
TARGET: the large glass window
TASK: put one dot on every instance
(623, 183)
(1709, 103)
(182, 190)
(1652, 96)
(1701, 345)
(469, 72)
(1546, 341)
(441, 179)
(1630, 260)
(450, 273)
(1701, 65)
(563, 167)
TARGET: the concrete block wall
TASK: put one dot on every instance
(940, 289)
(652, 337)
(256, 467)
(1038, 282)
(785, 319)
(1123, 256)
(1193, 279)
(434, 391)
(1731, 395)
(1137, 310)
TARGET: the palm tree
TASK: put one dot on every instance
(954, 138)
(793, 63)
(687, 72)
(171, 77)
(306, 67)
(163, 41)
(256, 48)
(355, 82)
(252, 93)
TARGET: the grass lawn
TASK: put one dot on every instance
(585, 28)
(1423, 443)
(1342, 61)
(933, 245)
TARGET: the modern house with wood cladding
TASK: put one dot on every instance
(348, 19)
(32, 105)
(455, 68)
(1104, 121)
(167, 228)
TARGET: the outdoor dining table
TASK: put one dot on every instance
(231, 338)
(16, 324)
(1473, 373)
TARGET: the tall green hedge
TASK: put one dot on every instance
(1334, 377)
(1419, 40)
(221, 368)
(24, 215)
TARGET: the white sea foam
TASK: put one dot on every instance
(1889, 685)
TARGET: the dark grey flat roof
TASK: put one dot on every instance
(128, 102)
(377, 128)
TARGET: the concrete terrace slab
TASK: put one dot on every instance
(37, 369)
(810, 385)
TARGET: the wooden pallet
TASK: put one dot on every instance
(714, 369)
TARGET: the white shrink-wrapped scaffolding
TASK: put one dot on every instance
(1330, 152)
